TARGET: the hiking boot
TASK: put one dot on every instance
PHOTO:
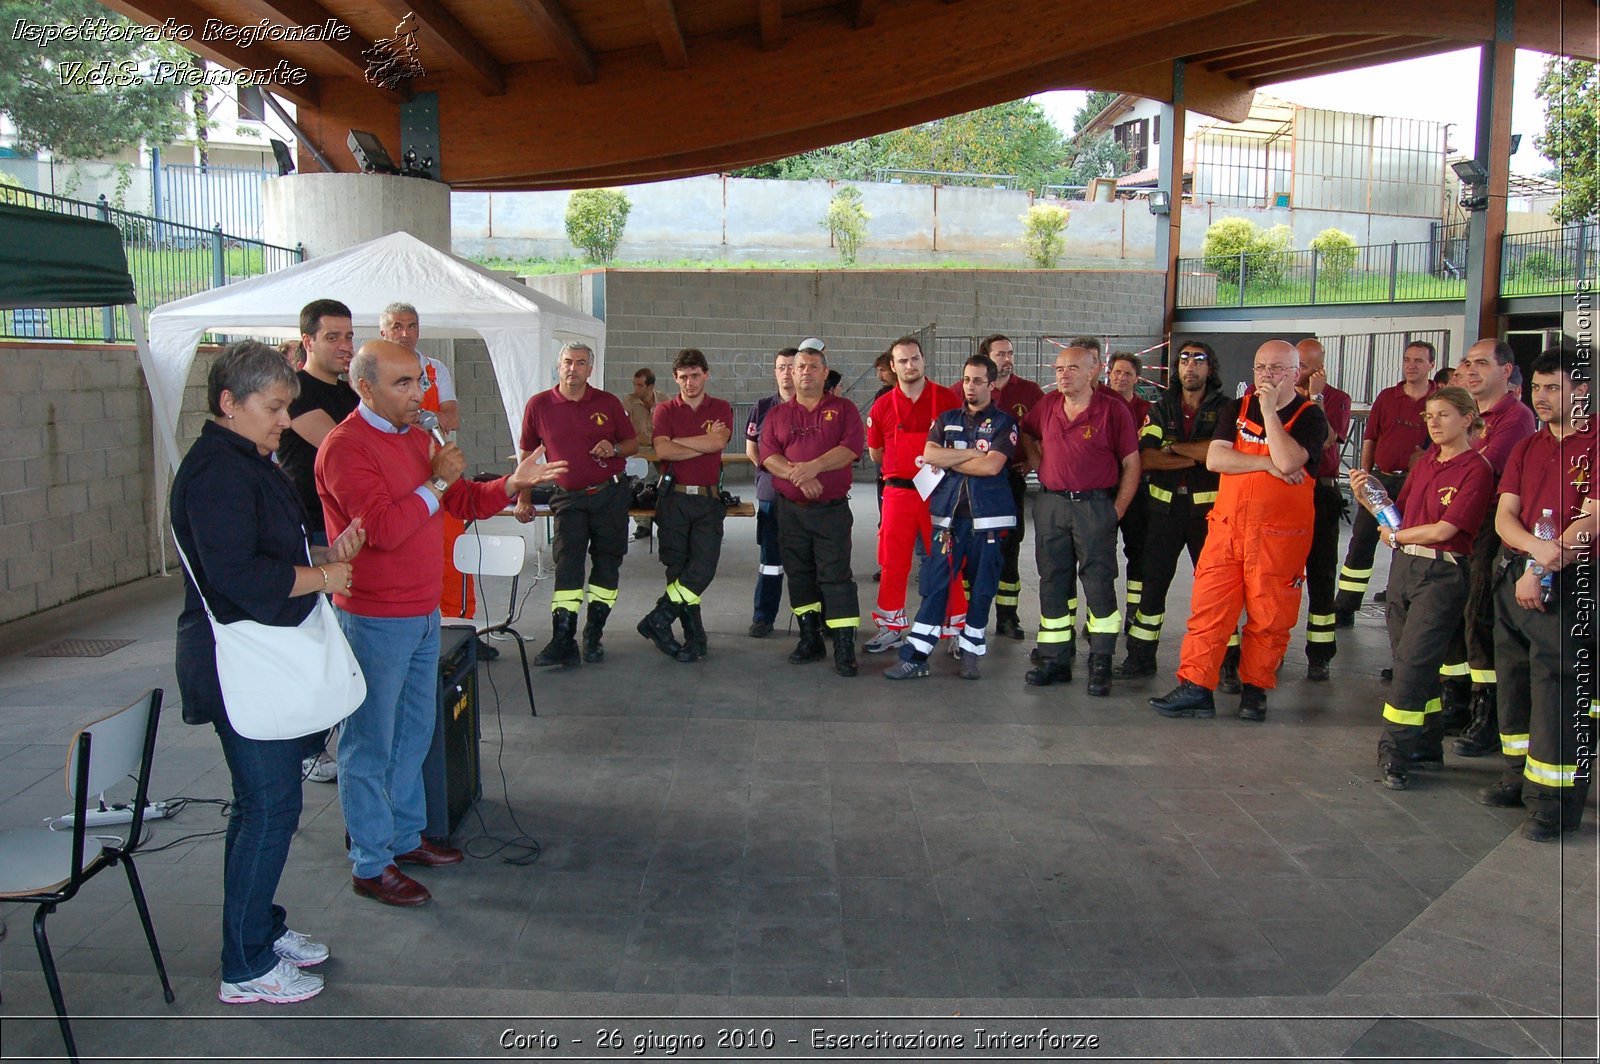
(907, 670)
(563, 646)
(1186, 700)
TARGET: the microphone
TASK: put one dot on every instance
(430, 421)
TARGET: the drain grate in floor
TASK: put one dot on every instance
(80, 648)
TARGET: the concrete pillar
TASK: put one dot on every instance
(1486, 229)
(331, 212)
(1169, 229)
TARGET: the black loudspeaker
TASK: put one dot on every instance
(451, 776)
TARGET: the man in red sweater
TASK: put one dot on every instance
(376, 465)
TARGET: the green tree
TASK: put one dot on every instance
(42, 92)
(1097, 101)
(1044, 234)
(1266, 255)
(1570, 89)
(1097, 156)
(595, 220)
(1336, 254)
(846, 222)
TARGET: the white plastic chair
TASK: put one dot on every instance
(482, 555)
(47, 867)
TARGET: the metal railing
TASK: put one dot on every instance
(166, 260)
(1372, 273)
(1551, 261)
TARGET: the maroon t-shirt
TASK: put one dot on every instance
(676, 418)
(1017, 397)
(569, 430)
(1395, 428)
(1545, 473)
(1336, 408)
(801, 435)
(1459, 491)
(1086, 452)
(1506, 424)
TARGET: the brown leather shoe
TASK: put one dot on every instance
(430, 854)
(393, 887)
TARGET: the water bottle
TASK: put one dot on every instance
(1545, 529)
(1377, 501)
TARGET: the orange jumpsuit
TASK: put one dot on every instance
(1254, 559)
(456, 600)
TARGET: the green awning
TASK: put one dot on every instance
(58, 260)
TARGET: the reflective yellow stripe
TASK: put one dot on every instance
(1152, 619)
(1549, 775)
(1404, 716)
(1102, 625)
(1233, 640)
(1454, 670)
(1010, 585)
(1315, 636)
(810, 607)
(1357, 586)
(1147, 635)
(1513, 745)
(1135, 585)
(682, 595)
(1204, 498)
(1153, 430)
(1055, 629)
(1355, 574)
(1434, 705)
(1319, 618)
(1160, 494)
(606, 596)
(1482, 675)
(1005, 600)
(566, 600)
(844, 622)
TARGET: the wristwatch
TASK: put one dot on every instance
(1317, 398)
(439, 484)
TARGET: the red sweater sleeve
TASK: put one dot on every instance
(470, 500)
(351, 481)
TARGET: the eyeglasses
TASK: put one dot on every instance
(1193, 356)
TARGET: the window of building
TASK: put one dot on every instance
(1133, 138)
(251, 106)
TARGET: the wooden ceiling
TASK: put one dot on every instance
(575, 93)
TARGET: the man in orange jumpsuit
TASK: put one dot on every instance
(1267, 448)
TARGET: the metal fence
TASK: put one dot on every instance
(208, 196)
(1549, 262)
(1370, 273)
(167, 261)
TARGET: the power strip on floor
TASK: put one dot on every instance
(117, 814)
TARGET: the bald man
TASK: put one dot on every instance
(1267, 448)
(377, 465)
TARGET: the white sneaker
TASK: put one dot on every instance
(299, 950)
(886, 640)
(319, 769)
(281, 986)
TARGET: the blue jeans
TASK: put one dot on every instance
(383, 743)
(266, 811)
(769, 577)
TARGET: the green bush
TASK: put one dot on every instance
(1266, 254)
(1044, 234)
(846, 222)
(596, 218)
(1336, 254)
(1540, 266)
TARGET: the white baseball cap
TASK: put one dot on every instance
(811, 343)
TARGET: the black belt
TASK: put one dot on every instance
(900, 482)
(1092, 493)
(810, 502)
(593, 489)
(694, 489)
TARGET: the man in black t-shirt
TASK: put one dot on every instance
(325, 400)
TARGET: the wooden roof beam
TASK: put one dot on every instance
(553, 21)
(664, 20)
(347, 53)
(864, 13)
(769, 19)
(184, 13)
(440, 28)
(1283, 68)
(1339, 66)
(1214, 54)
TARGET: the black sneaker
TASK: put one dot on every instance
(1186, 700)
(1252, 703)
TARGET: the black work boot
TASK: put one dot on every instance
(1543, 823)
(563, 646)
(1050, 670)
(1140, 662)
(1506, 794)
(1228, 677)
(1007, 623)
(694, 634)
(810, 647)
(1099, 675)
(1455, 705)
(593, 652)
(1252, 703)
(1482, 736)
(1186, 700)
(657, 627)
(844, 651)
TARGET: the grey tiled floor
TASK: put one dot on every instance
(743, 837)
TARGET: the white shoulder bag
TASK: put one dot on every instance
(283, 683)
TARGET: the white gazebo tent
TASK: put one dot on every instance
(455, 299)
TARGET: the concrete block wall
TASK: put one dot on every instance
(76, 476)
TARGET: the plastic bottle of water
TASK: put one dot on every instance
(1545, 528)
(1377, 501)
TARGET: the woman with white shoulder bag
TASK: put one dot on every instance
(259, 654)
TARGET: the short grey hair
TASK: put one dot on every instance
(245, 368)
(394, 310)
(576, 345)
